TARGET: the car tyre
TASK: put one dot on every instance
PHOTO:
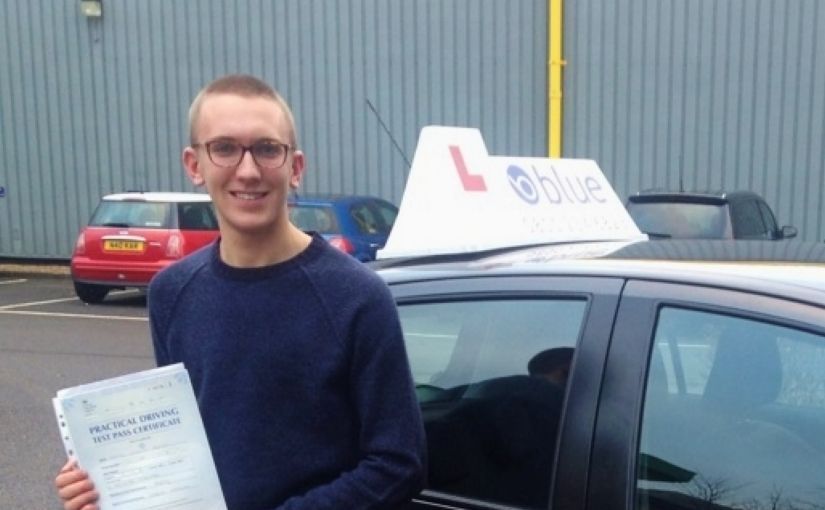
(89, 293)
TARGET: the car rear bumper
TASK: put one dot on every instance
(126, 274)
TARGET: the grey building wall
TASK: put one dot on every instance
(719, 93)
(91, 106)
(724, 93)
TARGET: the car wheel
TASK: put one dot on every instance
(89, 293)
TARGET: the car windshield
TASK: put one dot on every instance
(124, 214)
(679, 219)
(313, 218)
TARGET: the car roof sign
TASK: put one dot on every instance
(459, 199)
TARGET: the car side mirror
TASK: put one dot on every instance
(788, 232)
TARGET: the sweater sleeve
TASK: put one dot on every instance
(392, 447)
(154, 300)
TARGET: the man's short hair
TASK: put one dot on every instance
(243, 85)
(549, 360)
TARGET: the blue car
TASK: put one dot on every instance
(358, 225)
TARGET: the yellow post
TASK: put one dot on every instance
(556, 62)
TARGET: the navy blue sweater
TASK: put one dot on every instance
(301, 377)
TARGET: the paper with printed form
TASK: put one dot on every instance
(141, 439)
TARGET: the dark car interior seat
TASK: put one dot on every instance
(724, 433)
(745, 379)
(498, 443)
(746, 373)
(193, 219)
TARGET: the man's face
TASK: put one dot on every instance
(249, 200)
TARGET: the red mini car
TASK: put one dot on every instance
(131, 236)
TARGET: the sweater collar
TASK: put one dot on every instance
(224, 270)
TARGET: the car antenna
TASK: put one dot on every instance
(386, 129)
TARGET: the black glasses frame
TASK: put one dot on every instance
(244, 149)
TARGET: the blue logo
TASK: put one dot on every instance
(522, 184)
(555, 188)
(2, 191)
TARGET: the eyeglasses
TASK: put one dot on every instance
(226, 153)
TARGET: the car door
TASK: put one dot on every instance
(711, 398)
(498, 433)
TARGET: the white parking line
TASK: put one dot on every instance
(74, 315)
(61, 300)
(35, 303)
(19, 280)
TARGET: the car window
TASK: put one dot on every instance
(490, 377)
(747, 221)
(733, 415)
(317, 218)
(196, 216)
(132, 214)
(679, 220)
(387, 213)
(768, 218)
(368, 220)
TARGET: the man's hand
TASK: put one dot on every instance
(75, 488)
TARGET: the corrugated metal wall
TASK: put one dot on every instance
(90, 106)
(726, 93)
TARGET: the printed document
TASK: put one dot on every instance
(141, 439)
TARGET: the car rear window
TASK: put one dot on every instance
(373, 218)
(679, 220)
(315, 218)
(134, 214)
(197, 216)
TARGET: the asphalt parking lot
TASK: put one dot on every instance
(53, 294)
(50, 340)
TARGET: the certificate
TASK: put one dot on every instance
(141, 439)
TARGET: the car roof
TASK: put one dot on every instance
(329, 198)
(535, 224)
(792, 269)
(158, 196)
(709, 197)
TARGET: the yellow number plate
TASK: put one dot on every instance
(123, 246)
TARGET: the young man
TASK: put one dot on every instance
(294, 349)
